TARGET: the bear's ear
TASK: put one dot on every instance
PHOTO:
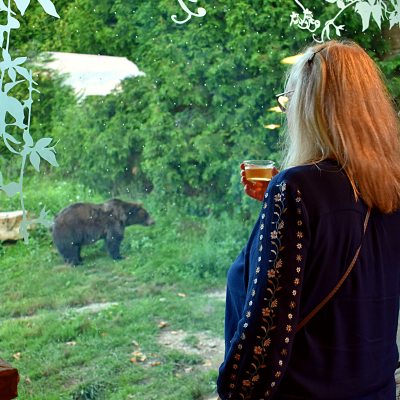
(107, 207)
(122, 216)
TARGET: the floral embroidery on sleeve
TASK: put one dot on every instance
(254, 363)
(271, 300)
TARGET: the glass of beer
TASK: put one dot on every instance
(258, 170)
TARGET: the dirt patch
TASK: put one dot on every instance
(93, 308)
(218, 295)
(209, 347)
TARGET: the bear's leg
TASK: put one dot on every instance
(80, 258)
(112, 244)
(71, 255)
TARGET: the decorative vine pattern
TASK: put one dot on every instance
(201, 12)
(271, 302)
(12, 106)
(379, 10)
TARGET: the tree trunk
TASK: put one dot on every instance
(393, 36)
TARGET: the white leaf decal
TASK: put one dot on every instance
(49, 8)
(41, 143)
(22, 5)
(377, 14)
(9, 86)
(6, 56)
(35, 160)
(12, 74)
(49, 156)
(11, 189)
(28, 138)
(24, 72)
(364, 9)
(340, 4)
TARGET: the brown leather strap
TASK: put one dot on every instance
(335, 289)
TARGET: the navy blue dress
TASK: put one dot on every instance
(305, 238)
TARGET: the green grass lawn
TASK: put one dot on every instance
(71, 352)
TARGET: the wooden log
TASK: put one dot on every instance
(10, 222)
(9, 379)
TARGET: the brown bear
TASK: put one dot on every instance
(82, 224)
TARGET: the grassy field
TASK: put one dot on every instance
(93, 332)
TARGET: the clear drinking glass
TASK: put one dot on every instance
(258, 170)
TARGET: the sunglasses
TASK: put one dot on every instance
(282, 100)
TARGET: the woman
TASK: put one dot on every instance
(342, 158)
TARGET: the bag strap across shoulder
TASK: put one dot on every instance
(335, 289)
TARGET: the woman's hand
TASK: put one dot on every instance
(255, 190)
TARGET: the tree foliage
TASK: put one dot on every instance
(203, 105)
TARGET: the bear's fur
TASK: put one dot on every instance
(82, 224)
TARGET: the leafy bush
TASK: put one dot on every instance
(202, 107)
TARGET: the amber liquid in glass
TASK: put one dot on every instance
(258, 173)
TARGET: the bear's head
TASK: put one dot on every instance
(138, 215)
(129, 213)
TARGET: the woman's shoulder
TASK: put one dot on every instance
(323, 185)
(308, 173)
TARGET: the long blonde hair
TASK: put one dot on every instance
(341, 108)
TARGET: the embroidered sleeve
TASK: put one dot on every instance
(261, 348)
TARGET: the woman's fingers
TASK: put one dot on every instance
(255, 190)
(274, 171)
(250, 192)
